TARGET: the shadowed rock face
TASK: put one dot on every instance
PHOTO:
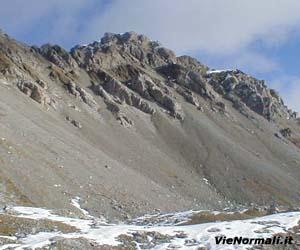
(129, 127)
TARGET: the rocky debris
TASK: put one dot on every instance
(286, 132)
(213, 230)
(145, 240)
(272, 209)
(279, 136)
(221, 106)
(76, 243)
(77, 124)
(43, 84)
(124, 120)
(191, 242)
(292, 114)
(12, 225)
(74, 107)
(82, 94)
(34, 91)
(6, 241)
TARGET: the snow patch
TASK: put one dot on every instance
(75, 203)
(217, 71)
(169, 224)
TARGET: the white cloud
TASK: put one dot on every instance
(251, 61)
(289, 88)
(247, 60)
(215, 26)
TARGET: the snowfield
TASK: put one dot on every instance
(171, 229)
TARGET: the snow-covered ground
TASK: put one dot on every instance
(218, 71)
(179, 236)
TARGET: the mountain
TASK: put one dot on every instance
(131, 128)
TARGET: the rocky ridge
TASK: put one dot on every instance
(120, 63)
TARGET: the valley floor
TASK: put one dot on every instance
(37, 228)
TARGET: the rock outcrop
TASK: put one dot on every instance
(188, 96)
(186, 78)
(82, 94)
(237, 87)
(57, 55)
(35, 91)
(127, 59)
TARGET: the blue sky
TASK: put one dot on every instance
(258, 37)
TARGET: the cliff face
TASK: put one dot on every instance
(129, 127)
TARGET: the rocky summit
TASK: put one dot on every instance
(131, 128)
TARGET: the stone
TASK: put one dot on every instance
(221, 106)
(34, 91)
(76, 124)
(82, 94)
(124, 120)
(42, 84)
(286, 132)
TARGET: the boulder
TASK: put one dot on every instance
(124, 120)
(34, 91)
(286, 132)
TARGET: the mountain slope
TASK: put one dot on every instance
(129, 127)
